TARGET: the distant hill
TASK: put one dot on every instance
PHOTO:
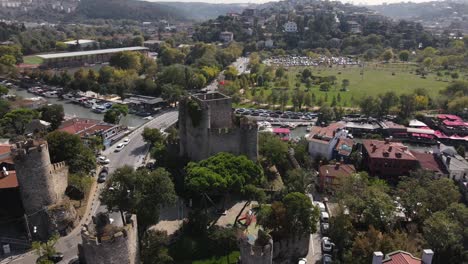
(425, 10)
(128, 9)
(204, 11)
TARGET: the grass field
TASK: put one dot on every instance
(375, 80)
(33, 60)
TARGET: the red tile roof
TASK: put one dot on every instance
(428, 162)
(76, 125)
(401, 257)
(325, 133)
(96, 128)
(10, 181)
(5, 153)
(387, 150)
(337, 170)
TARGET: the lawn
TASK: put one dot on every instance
(375, 80)
(33, 60)
(228, 259)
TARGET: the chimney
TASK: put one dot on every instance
(374, 148)
(427, 256)
(448, 160)
(377, 257)
(390, 149)
(337, 166)
(387, 141)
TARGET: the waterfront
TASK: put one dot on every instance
(74, 110)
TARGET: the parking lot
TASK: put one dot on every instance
(264, 113)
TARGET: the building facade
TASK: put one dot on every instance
(323, 140)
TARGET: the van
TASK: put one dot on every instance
(324, 217)
(320, 206)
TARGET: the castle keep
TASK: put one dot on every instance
(206, 127)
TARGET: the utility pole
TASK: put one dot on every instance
(27, 227)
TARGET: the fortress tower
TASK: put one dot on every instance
(41, 183)
(206, 127)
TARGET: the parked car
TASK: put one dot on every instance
(327, 259)
(126, 140)
(102, 177)
(119, 147)
(324, 227)
(327, 245)
(320, 206)
(324, 216)
(302, 261)
(103, 160)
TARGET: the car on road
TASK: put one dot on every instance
(119, 147)
(103, 175)
(103, 160)
(327, 245)
(324, 216)
(327, 259)
(320, 206)
(126, 140)
(302, 261)
(324, 227)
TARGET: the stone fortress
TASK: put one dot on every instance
(207, 127)
(110, 243)
(42, 188)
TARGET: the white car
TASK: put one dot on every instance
(103, 160)
(126, 140)
(119, 147)
(327, 245)
(321, 206)
(324, 216)
(302, 261)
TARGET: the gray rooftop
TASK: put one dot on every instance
(89, 52)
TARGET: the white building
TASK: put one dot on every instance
(323, 140)
(455, 164)
(290, 27)
(226, 36)
(83, 43)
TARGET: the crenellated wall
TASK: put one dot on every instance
(118, 248)
(251, 254)
(216, 132)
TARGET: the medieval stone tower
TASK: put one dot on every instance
(206, 127)
(255, 254)
(42, 184)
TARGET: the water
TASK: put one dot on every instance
(79, 111)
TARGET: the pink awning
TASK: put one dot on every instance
(281, 130)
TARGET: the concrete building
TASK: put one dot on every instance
(456, 165)
(323, 140)
(226, 36)
(402, 257)
(110, 243)
(153, 44)
(290, 27)
(354, 27)
(331, 175)
(387, 159)
(79, 58)
(206, 127)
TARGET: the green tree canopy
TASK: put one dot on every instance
(53, 114)
(116, 112)
(16, 120)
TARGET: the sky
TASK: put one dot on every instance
(366, 2)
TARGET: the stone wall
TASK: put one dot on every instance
(216, 132)
(291, 249)
(120, 248)
(251, 254)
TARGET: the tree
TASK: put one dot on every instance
(7, 60)
(279, 73)
(45, 250)
(152, 135)
(66, 147)
(298, 180)
(126, 60)
(3, 90)
(273, 149)
(153, 248)
(231, 73)
(324, 87)
(345, 84)
(16, 120)
(293, 216)
(140, 192)
(387, 55)
(326, 114)
(222, 173)
(116, 112)
(53, 114)
(444, 236)
(387, 101)
(404, 55)
(370, 106)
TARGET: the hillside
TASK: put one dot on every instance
(204, 11)
(426, 10)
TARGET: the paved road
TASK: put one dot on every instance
(132, 155)
(240, 64)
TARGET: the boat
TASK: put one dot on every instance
(264, 126)
(51, 94)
